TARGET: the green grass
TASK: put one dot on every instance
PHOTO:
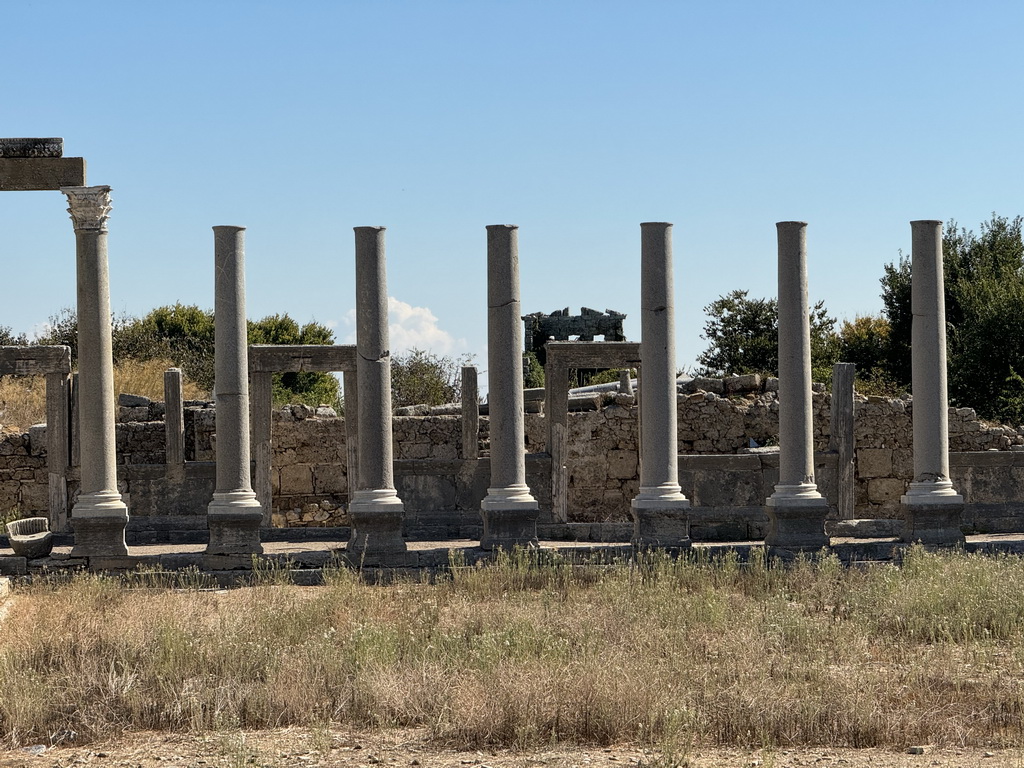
(536, 650)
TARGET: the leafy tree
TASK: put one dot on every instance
(309, 387)
(866, 342)
(984, 296)
(743, 336)
(533, 371)
(185, 335)
(9, 338)
(424, 378)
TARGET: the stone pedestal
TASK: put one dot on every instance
(99, 516)
(374, 507)
(932, 508)
(509, 510)
(796, 510)
(234, 515)
(660, 510)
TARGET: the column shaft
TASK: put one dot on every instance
(796, 510)
(509, 510)
(375, 508)
(932, 507)
(99, 516)
(660, 510)
(234, 515)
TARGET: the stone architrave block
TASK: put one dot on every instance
(884, 489)
(296, 479)
(34, 174)
(874, 462)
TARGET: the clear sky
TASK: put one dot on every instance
(576, 121)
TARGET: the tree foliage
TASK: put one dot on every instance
(424, 378)
(185, 335)
(743, 337)
(984, 297)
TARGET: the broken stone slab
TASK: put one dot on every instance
(34, 174)
(31, 147)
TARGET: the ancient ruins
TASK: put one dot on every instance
(677, 463)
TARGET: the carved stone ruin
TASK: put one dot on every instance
(561, 326)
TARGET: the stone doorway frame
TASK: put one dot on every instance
(561, 356)
(264, 361)
(53, 362)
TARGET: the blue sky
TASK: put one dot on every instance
(574, 120)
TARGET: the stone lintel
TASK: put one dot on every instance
(31, 148)
(35, 174)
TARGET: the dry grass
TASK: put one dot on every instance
(23, 398)
(526, 654)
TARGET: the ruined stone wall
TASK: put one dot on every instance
(310, 472)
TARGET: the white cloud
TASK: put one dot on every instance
(416, 328)
(409, 328)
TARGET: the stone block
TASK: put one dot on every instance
(750, 382)
(297, 479)
(329, 478)
(874, 462)
(37, 440)
(29, 174)
(709, 385)
(622, 465)
(51, 147)
(884, 489)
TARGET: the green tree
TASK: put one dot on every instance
(424, 378)
(8, 338)
(984, 297)
(743, 337)
(309, 387)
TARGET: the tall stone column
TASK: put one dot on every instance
(931, 507)
(234, 515)
(99, 516)
(375, 509)
(796, 511)
(660, 511)
(509, 510)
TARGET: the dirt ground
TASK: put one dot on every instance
(303, 747)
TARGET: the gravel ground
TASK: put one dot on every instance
(300, 747)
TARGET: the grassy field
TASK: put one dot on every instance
(528, 653)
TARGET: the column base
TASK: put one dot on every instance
(661, 518)
(935, 522)
(509, 517)
(376, 522)
(796, 523)
(99, 520)
(234, 519)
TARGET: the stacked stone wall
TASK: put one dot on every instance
(716, 416)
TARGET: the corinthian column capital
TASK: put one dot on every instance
(89, 207)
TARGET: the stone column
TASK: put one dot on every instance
(234, 515)
(796, 511)
(931, 507)
(509, 510)
(374, 507)
(660, 511)
(99, 516)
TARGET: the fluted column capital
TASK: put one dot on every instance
(89, 207)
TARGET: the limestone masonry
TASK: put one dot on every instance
(716, 416)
